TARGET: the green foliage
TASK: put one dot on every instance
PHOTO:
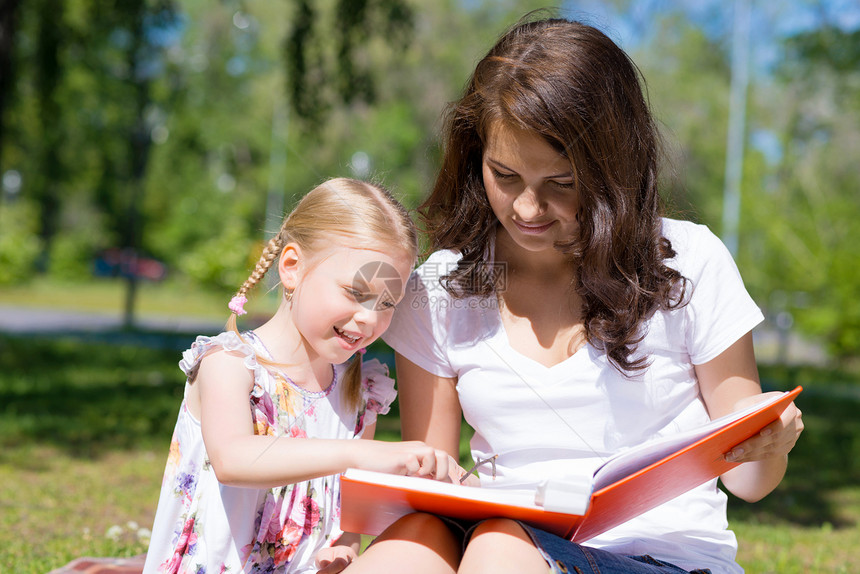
(72, 253)
(688, 84)
(19, 244)
(802, 209)
(163, 124)
(830, 46)
(799, 200)
(177, 125)
(325, 69)
(220, 262)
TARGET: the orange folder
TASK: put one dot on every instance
(640, 479)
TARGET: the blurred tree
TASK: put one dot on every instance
(125, 53)
(48, 73)
(810, 205)
(8, 29)
(800, 178)
(207, 178)
(687, 78)
(396, 132)
(81, 119)
(221, 123)
(165, 115)
(317, 79)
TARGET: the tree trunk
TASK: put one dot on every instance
(8, 27)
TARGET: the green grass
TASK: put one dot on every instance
(83, 433)
(84, 428)
(56, 506)
(108, 296)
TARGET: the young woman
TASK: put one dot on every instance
(567, 320)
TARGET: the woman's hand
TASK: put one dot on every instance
(334, 559)
(459, 475)
(730, 382)
(775, 440)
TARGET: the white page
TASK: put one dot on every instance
(524, 498)
(634, 459)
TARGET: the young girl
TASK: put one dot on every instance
(567, 320)
(270, 416)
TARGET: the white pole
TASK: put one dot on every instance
(277, 178)
(737, 120)
(277, 169)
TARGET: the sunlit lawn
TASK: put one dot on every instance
(84, 429)
(107, 296)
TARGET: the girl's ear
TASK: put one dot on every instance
(289, 266)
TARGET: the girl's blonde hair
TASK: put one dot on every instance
(346, 211)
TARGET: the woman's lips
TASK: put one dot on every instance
(531, 228)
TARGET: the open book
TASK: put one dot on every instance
(626, 485)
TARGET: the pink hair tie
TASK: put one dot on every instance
(237, 304)
(362, 350)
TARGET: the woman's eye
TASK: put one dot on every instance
(500, 175)
(563, 184)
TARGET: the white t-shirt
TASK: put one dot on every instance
(566, 419)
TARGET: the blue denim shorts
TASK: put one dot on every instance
(566, 557)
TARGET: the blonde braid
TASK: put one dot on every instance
(267, 258)
(269, 255)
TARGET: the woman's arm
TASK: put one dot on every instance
(241, 458)
(429, 407)
(729, 383)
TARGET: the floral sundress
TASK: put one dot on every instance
(202, 526)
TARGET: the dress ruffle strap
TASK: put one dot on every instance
(378, 389)
(228, 341)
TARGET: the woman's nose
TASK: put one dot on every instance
(528, 205)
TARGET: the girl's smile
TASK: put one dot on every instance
(349, 340)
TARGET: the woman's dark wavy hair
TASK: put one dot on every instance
(570, 84)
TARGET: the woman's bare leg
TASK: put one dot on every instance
(500, 545)
(417, 543)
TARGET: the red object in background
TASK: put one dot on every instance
(116, 262)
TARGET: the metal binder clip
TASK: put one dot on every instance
(490, 459)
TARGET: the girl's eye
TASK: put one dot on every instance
(563, 184)
(356, 294)
(384, 302)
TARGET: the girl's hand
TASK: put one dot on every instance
(334, 559)
(774, 440)
(413, 458)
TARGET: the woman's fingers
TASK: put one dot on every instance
(776, 439)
